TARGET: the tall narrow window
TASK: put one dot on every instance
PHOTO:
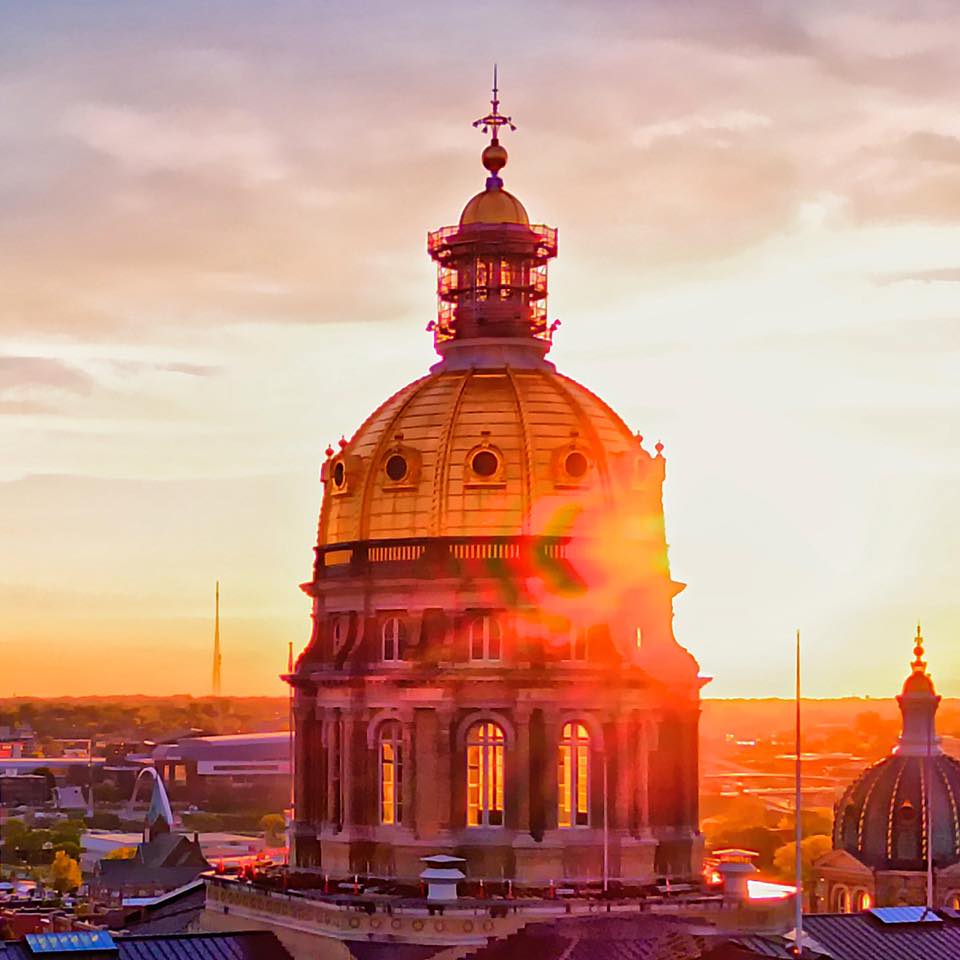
(573, 776)
(575, 644)
(394, 639)
(485, 641)
(391, 773)
(485, 775)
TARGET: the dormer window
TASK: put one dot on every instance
(485, 465)
(394, 637)
(485, 640)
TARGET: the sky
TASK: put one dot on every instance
(212, 252)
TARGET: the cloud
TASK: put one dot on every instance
(232, 142)
(940, 275)
(18, 373)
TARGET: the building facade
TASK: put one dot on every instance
(492, 671)
(896, 832)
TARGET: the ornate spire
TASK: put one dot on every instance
(494, 156)
(918, 705)
(919, 664)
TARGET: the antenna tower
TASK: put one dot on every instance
(217, 658)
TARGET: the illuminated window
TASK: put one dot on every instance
(573, 776)
(953, 901)
(841, 900)
(862, 901)
(394, 639)
(485, 775)
(485, 642)
(391, 773)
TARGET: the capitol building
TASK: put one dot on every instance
(492, 672)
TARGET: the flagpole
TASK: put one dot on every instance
(799, 823)
(926, 802)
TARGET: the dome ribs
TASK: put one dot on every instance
(527, 466)
(442, 469)
(951, 796)
(599, 449)
(891, 810)
(386, 437)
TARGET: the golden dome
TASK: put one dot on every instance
(478, 452)
(494, 205)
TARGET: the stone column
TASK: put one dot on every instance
(334, 738)
(624, 773)
(643, 776)
(551, 744)
(408, 768)
(446, 752)
(520, 770)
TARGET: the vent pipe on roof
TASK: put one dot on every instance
(442, 875)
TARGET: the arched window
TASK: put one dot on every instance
(394, 635)
(391, 773)
(485, 775)
(485, 641)
(573, 776)
(952, 900)
(841, 900)
(862, 901)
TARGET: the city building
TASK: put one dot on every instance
(492, 671)
(897, 825)
(101, 945)
(227, 772)
(163, 861)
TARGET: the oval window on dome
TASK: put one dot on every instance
(339, 474)
(485, 463)
(397, 467)
(576, 465)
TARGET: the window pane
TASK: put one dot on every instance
(563, 783)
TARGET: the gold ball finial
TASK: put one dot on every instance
(494, 157)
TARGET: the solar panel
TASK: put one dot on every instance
(905, 915)
(73, 941)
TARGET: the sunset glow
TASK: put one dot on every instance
(214, 263)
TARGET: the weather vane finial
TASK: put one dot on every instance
(918, 663)
(494, 120)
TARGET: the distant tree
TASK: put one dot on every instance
(47, 775)
(65, 872)
(203, 822)
(274, 828)
(815, 820)
(13, 830)
(107, 792)
(70, 830)
(121, 853)
(811, 850)
(762, 840)
(103, 820)
(70, 848)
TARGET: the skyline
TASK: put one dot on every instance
(209, 222)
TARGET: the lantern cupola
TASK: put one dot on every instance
(492, 265)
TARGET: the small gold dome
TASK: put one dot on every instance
(494, 205)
